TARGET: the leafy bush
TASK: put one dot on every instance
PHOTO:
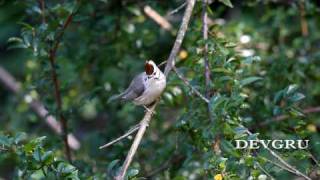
(71, 56)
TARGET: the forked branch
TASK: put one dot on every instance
(148, 115)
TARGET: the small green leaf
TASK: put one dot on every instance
(4, 140)
(132, 172)
(112, 165)
(240, 130)
(19, 137)
(252, 59)
(37, 154)
(292, 88)
(227, 3)
(249, 80)
(297, 97)
(295, 112)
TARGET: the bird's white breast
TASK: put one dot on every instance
(153, 89)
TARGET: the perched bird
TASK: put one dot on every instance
(145, 88)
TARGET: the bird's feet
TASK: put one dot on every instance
(148, 110)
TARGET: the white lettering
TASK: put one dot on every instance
(243, 142)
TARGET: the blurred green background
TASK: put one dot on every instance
(265, 64)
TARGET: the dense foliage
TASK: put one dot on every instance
(265, 72)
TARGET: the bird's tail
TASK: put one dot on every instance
(114, 97)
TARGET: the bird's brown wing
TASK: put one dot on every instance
(135, 89)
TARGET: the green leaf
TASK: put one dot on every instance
(132, 172)
(37, 154)
(112, 165)
(252, 59)
(19, 137)
(292, 88)
(295, 112)
(249, 80)
(227, 3)
(240, 130)
(65, 168)
(4, 140)
(297, 97)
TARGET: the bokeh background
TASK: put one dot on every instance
(265, 72)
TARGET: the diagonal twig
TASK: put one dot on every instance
(177, 9)
(128, 133)
(154, 15)
(9, 81)
(186, 82)
(182, 31)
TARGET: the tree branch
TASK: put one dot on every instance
(207, 73)
(56, 83)
(308, 110)
(291, 168)
(143, 126)
(186, 82)
(274, 154)
(154, 15)
(147, 117)
(9, 81)
(303, 21)
(42, 7)
(177, 9)
(180, 36)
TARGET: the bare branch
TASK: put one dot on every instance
(147, 117)
(278, 165)
(143, 126)
(177, 9)
(308, 110)
(207, 72)
(56, 83)
(186, 82)
(9, 81)
(293, 169)
(128, 133)
(265, 171)
(182, 31)
(157, 18)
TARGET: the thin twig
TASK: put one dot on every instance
(56, 83)
(314, 159)
(162, 63)
(303, 21)
(265, 171)
(12, 85)
(293, 170)
(274, 154)
(278, 165)
(308, 110)
(42, 7)
(207, 72)
(128, 133)
(147, 117)
(186, 82)
(177, 9)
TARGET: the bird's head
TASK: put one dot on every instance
(150, 68)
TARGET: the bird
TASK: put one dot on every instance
(145, 88)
